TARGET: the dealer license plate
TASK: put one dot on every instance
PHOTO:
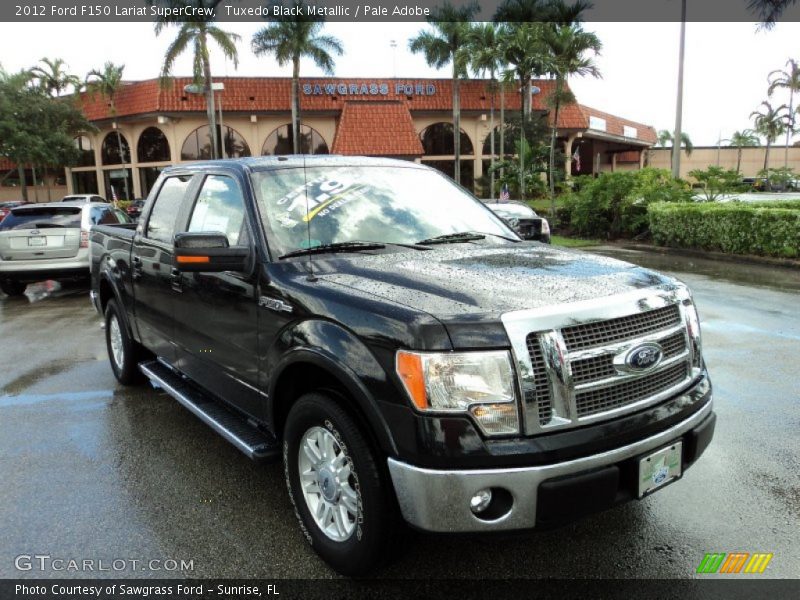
(659, 468)
(37, 241)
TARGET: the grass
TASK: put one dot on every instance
(566, 242)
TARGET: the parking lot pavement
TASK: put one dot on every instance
(91, 470)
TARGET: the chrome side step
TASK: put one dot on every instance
(255, 443)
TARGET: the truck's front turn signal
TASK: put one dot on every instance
(409, 368)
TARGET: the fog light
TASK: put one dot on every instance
(480, 501)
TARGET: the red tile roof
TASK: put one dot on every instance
(272, 94)
(615, 125)
(376, 129)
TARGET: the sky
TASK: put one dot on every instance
(726, 66)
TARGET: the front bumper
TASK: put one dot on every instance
(438, 500)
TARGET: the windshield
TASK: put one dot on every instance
(34, 218)
(390, 205)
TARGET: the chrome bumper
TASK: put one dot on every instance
(435, 500)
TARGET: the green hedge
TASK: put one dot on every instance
(736, 228)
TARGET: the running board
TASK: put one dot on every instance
(255, 443)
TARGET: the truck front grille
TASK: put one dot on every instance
(600, 400)
(600, 333)
(579, 372)
(540, 394)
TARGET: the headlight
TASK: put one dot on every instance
(477, 383)
(545, 227)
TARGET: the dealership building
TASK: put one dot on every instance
(409, 119)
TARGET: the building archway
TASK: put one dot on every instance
(280, 141)
(152, 146)
(439, 152)
(197, 145)
(110, 150)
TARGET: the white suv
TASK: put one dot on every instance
(48, 241)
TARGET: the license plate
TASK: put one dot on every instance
(659, 468)
(37, 241)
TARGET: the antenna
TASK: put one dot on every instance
(311, 276)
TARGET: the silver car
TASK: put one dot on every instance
(48, 241)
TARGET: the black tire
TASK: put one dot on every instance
(126, 370)
(377, 520)
(12, 288)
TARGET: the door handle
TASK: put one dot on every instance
(176, 279)
(137, 267)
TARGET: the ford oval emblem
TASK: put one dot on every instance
(644, 357)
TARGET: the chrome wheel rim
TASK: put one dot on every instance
(115, 337)
(328, 484)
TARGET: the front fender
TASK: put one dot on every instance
(346, 358)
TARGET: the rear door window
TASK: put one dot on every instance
(220, 208)
(167, 205)
(102, 215)
(42, 217)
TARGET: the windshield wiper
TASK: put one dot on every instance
(335, 247)
(454, 238)
(462, 236)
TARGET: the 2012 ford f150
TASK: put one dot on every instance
(400, 349)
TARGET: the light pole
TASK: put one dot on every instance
(676, 140)
(193, 88)
(393, 46)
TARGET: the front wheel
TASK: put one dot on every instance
(124, 353)
(12, 288)
(341, 498)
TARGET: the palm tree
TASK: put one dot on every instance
(107, 82)
(52, 77)
(291, 39)
(742, 139)
(196, 33)
(790, 80)
(447, 42)
(665, 139)
(770, 122)
(769, 11)
(568, 44)
(486, 56)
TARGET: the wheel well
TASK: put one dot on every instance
(106, 293)
(302, 378)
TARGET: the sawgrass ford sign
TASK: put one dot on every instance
(367, 88)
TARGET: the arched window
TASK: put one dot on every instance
(437, 140)
(109, 151)
(280, 141)
(86, 153)
(198, 144)
(509, 141)
(153, 146)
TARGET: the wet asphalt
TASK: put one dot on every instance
(92, 470)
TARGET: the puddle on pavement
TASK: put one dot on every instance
(28, 379)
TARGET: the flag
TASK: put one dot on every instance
(577, 158)
(504, 196)
(114, 194)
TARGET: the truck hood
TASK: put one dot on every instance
(460, 280)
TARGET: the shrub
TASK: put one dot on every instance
(615, 204)
(716, 181)
(735, 227)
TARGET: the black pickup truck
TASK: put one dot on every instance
(400, 349)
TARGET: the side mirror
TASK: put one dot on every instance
(209, 252)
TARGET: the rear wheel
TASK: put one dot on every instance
(12, 288)
(341, 498)
(124, 353)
